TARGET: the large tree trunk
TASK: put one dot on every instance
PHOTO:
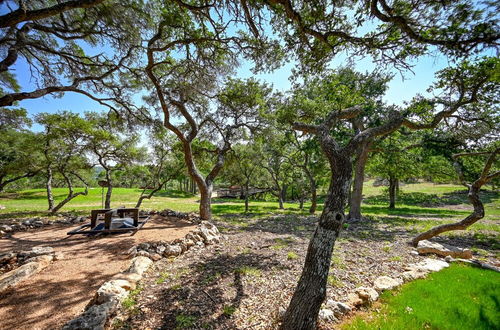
(48, 184)
(304, 307)
(206, 201)
(393, 189)
(356, 196)
(282, 196)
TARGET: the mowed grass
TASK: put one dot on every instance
(417, 201)
(459, 297)
(34, 201)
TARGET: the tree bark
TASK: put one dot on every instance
(393, 187)
(474, 188)
(311, 289)
(282, 196)
(50, 196)
(206, 201)
(109, 190)
(246, 197)
(356, 196)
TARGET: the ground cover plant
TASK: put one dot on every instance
(427, 303)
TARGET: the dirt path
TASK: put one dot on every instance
(62, 290)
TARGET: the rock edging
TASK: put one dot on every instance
(25, 264)
(111, 294)
(365, 296)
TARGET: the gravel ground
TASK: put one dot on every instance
(245, 281)
(60, 292)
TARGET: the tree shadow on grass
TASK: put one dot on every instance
(199, 300)
(432, 200)
(411, 211)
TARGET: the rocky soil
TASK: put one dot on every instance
(247, 280)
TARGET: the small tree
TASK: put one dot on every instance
(111, 146)
(163, 166)
(396, 158)
(64, 156)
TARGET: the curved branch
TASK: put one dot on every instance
(20, 15)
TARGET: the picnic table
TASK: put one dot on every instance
(116, 220)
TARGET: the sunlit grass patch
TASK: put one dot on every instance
(459, 297)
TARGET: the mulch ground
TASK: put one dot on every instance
(60, 292)
(245, 281)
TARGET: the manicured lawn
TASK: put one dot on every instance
(444, 202)
(459, 297)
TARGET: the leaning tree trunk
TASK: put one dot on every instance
(48, 184)
(311, 289)
(393, 188)
(478, 211)
(357, 188)
(476, 215)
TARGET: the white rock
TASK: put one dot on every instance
(429, 265)
(109, 291)
(139, 265)
(19, 274)
(386, 283)
(6, 228)
(209, 232)
(338, 307)
(326, 315)
(172, 250)
(368, 295)
(413, 275)
(425, 247)
(94, 318)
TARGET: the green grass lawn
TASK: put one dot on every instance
(420, 201)
(459, 297)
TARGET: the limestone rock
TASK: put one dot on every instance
(160, 249)
(37, 251)
(131, 277)
(386, 283)
(209, 232)
(139, 265)
(368, 295)
(339, 308)
(411, 275)
(109, 291)
(155, 256)
(428, 265)
(172, 250)
(7, 257)
(143, 253)
(44, 260)
(354, 300)
(6, 228)
(327, 315)
(94, 318)
(425, 247)
(17, 275)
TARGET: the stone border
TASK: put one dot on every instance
(108, 298)
(26, 263)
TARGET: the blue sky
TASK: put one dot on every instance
(400, 89)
